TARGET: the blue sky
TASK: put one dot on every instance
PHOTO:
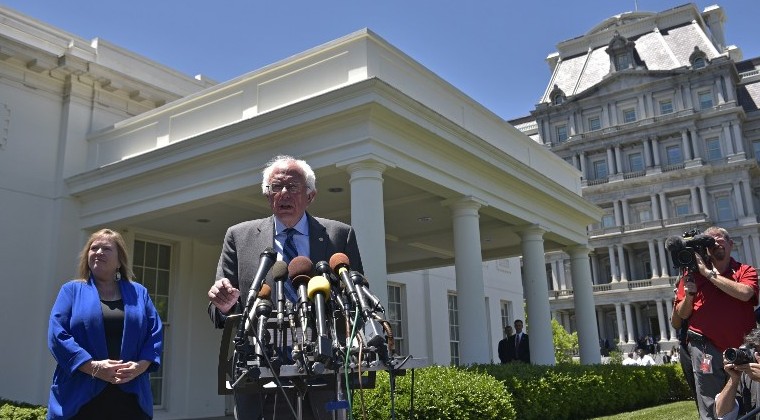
(492, 50)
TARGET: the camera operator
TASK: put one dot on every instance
(742, 391)
(718, 298)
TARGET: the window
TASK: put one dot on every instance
(622, 61)
(600, 169)
(705, 100)
(666, 106)
(698, 63)
(396, 316)
(635, 162)
(723, 207)
(506, 314)
(644, 215)
(712, 147)
(608, 220)
(594, 123)
(454, 329)
(682, 209)
(152, 267)
(561, 133)
(558, 99)
(673, 154)
(629, 115)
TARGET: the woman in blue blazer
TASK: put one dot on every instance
(105, 335)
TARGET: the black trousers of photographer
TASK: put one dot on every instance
(708, 385)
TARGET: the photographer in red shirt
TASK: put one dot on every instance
(719, 302)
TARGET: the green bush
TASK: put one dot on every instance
(21, 411)
(445, 393)
(572, 391)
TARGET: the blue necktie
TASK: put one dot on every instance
(289, 251)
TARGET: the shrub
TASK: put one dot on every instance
(446, 393)
(21, 411)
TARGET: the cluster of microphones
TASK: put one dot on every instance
(333, 321)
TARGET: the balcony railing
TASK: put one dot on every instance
(688, 219)
(622, 287)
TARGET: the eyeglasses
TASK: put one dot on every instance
(277, 188)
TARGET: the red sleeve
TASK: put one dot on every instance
(748, 275)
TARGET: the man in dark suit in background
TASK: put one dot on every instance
(290, 186)
(517, 347)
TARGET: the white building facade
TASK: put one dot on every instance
(661, 117)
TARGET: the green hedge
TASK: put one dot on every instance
(503, 392)
(444, 393)
(12, 410)
(572, 391)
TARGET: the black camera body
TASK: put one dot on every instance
(682, 251)
(739, 355)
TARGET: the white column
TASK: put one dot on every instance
(738, 199)
(694, 140)
(694, 200)
(613, 264)
(737, 136)
(686, 147)
(647, 154)
(555, 276)
(655, 151)
(727, 139)
(748, 194)
(595, 268)
(619, 320)
(719, 91)
(703, 198)
(618, 161)
(468, 266)
(652, 259)
(600, 322)
(655, 209)
(585, 314)
(669, 312)
(626, 216)
(562, 277)
(629, 323)
(663, 258)
(661, 321)
(368, 219)
(583, 165)
(639, 330)
(537, 296)
(621, 263)
(616, 210)
(756, 246)
(611, 162)
(663, 206)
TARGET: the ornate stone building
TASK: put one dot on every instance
(661, 118)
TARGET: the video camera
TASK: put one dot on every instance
(739, 355)
(682, 250)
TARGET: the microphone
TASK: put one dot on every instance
(674, 243)
(300, 283)
(340, 265)
(319, 292)
(279, 274)
(263, 311)
(266, 261)
(362, 287)
(324, 269)
(264, 294)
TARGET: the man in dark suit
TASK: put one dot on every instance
(290, 186)
(516, 347)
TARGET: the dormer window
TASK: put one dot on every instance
(622, 53)
(698, 59)
(557, 96)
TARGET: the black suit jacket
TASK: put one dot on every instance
(509, 352)
(244, 243)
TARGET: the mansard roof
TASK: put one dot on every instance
(662, 41)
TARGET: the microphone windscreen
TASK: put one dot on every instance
(265, 292)
(299, 280)
(300, 266)
(279, 270)
(337, 260)
(318, 284)
(674, 243)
